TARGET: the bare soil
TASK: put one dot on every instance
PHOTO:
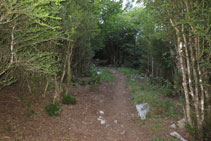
(23, 117)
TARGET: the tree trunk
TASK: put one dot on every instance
(12, 45)
(185, 87)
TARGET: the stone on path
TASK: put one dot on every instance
(180, 124)
(178, 136)
(102, 121)
(123, 132)
(101, 112)
(142, 110)
(173, 126)
(115, 121)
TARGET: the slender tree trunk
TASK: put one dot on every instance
(186, 91)
(46, 88)
(148, 64)
(69, 60)
(152, 67)
(64, 67)
(57, 91)
(195, 95)
(12, 45)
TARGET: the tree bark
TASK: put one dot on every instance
(186, 91)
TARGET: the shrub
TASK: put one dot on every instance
(83, 82)
(95, 78)
(74, 79)
(75, 84)
(67, 99)
(167, 92)
(106, 75)
(53, 109)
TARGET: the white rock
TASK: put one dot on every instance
(99, 118)
(123, 132)
(181, 123)
(173, 126)
(101, 112)
(103, 121)
(141, 77)
(177, 135)
(115, 121)
(142, 110)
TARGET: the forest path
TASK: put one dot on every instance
(80, 122)
(119, 108)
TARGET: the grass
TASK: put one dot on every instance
(106, 75)
(146, 94)
(161, 107)
(128, 72)
(99, 75)
(143, 93)
(157, 127)
(164, 139)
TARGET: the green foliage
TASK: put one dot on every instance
(99, 75)
(79, 23)
(27, 29)
(177, 80)
(148, 94)
(67, 99)
(53, 109)
(76, 84)
(96, 75)
(164, 139)
(167, 92)
(128, 71)
(7, 81)
(117, 36)
(187, 21)
(157, 127)
(191, 129)
(83, 82)
(74, 79)
(106, 75)
(207, 125)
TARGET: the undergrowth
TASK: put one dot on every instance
(99, 75)
(145, 93)
(53, 109)
(67, 99)
(161, 106)
(106, 75)
(128, 72)
(164, 139)
(141, 94)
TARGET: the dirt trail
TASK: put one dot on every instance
(79, 122)
(120, 108)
